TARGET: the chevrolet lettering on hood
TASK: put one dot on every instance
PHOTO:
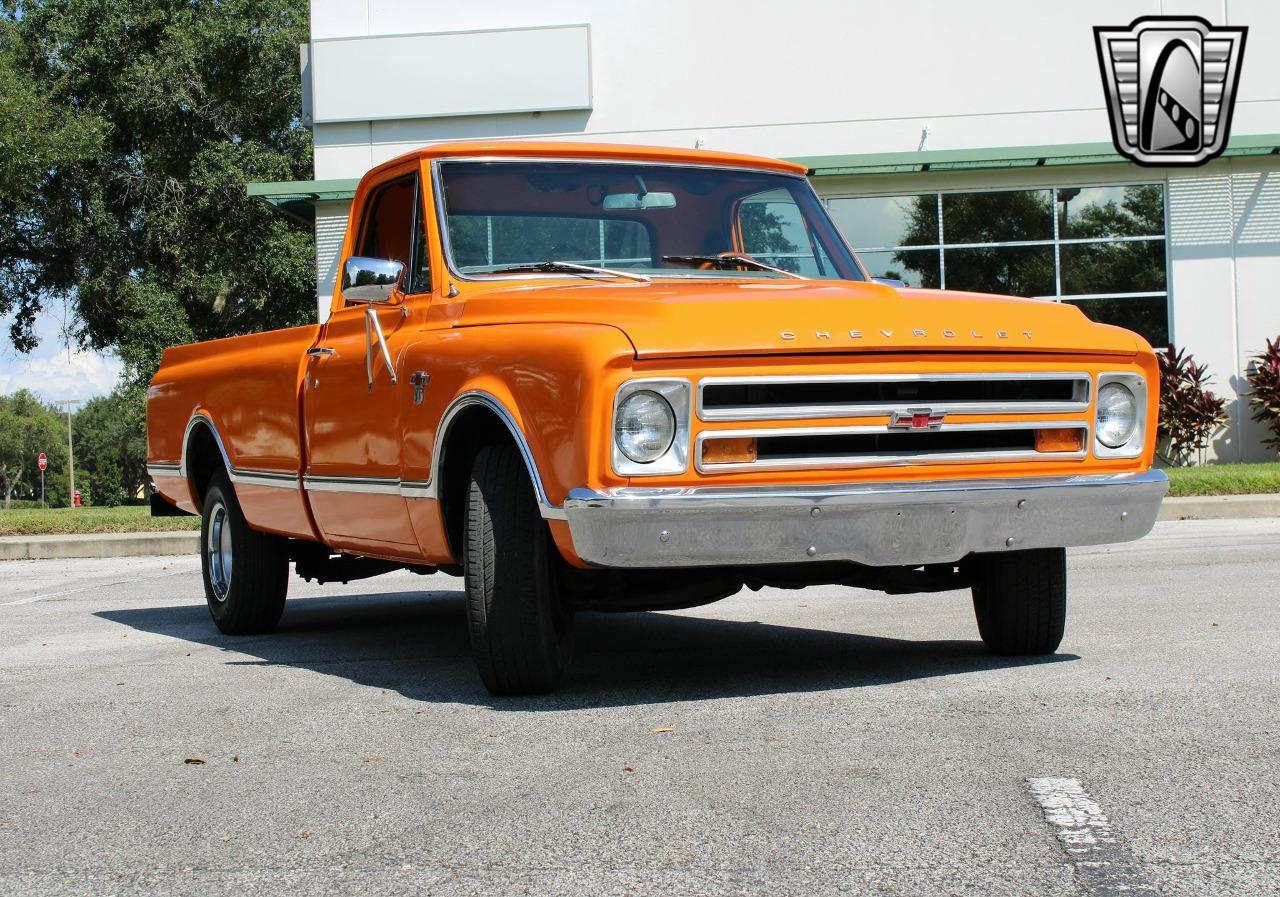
(917, 332)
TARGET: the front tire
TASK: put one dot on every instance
(246, 573)
(521, 632)
(1020, 599)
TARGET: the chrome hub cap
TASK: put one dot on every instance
(218, 549)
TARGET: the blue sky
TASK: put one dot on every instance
(48, 371)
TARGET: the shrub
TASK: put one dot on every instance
(1264, 378)
(1189, 413)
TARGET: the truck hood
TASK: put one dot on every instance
(682, 318)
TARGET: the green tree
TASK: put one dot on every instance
(156, 113)
(987, 217)
(1004, 216)
(27, 428)
(111, 445)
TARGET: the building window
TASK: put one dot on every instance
(483, 243)
(1101, 248)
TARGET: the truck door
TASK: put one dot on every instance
(352, 409)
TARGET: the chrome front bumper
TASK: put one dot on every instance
(878, 524)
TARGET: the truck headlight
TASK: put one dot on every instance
(651, 426)
(1117, 414)
(644, 426)
(1120, 415)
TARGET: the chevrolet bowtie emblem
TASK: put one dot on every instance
(917, 419)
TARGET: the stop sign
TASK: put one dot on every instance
(42, 461)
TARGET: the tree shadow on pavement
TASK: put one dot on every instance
(416, 644)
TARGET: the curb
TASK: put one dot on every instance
(1220, 507)
(97, 545)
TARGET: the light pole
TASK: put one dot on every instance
(71, 457)
(1065, 195)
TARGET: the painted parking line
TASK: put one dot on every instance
(1104, 865)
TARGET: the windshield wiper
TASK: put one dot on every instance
(573, 268)
(727, 261)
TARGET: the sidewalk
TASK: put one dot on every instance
(97, 545)
(103, 545)
(1220, 507)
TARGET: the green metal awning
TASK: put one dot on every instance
(1004, 157)
(297, 198)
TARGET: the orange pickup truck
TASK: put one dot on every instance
(626, 378)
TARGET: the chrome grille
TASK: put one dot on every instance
(877, 395)
(891, 420)
(878, 446)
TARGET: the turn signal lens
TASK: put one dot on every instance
(729, 451)
(1062, 439)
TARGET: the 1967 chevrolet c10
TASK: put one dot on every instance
(626, 378)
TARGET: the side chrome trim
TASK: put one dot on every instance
(803, 412)
(416, 489)
(273, 478)
(487, 400)
(409, 489)
(201, 418)
(361, 485)
(246, 476)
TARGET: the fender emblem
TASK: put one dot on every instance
(419, 381)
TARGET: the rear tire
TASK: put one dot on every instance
(246, 573)
(521, 632)
(1020, 600)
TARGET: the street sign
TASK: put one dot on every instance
(42, 460)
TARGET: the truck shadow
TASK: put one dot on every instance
(416, 644)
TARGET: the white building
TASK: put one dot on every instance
(916, 118)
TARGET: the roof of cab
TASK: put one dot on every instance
(544, 149)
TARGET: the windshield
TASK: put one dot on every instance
(511, 217)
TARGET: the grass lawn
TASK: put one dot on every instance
(55, 521)
(1225, 479)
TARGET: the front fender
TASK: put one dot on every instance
(551, 384)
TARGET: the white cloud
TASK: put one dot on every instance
(83, 376)
(51, 374)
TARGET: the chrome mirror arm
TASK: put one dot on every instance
(372, 329)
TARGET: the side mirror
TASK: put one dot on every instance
(890, 282)
(375, 281)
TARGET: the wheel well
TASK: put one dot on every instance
(204, 459)
(473, 428)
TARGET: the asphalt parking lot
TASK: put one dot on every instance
(826, 741)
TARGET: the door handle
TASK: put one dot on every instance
(321, 351)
